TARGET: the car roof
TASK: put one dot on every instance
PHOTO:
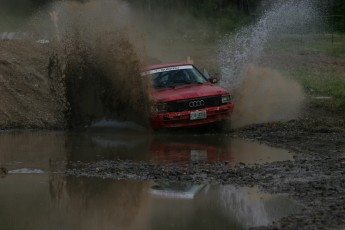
(164, 65)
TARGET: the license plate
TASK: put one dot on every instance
(197, 115)
(198, 155)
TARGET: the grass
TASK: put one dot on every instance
(326, 79)
(326, 83)
(333, 45)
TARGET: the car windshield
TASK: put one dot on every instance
(175, 76)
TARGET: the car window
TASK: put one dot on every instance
(173, 78)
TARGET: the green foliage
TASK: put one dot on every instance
(317, 76)
(326, 44)
(326, 83)
(339, 9)
(222, 15)
(225, 14)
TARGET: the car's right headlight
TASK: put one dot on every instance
(226, 98)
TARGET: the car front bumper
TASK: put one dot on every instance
(183, 119)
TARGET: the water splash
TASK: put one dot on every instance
(247, 46)
(94, 62)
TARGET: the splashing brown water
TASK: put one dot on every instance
(95, 63)
(266, 95)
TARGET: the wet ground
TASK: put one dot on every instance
(54, 201)
(301, 162)
(37, 162)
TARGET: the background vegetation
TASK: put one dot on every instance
(226, 15)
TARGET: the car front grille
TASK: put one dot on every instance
(194, 103)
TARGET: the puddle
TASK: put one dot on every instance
(185, 149)
(90, 203)
(51, 151)
(35, 162)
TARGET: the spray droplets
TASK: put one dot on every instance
(247, 46)
(97, 60)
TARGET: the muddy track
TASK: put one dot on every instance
(315, 178)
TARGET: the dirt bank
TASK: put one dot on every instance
(26, 98)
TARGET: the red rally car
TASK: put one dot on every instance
(182, 96)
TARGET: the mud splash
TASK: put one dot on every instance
(94, 64)
(264, 96)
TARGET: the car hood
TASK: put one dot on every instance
(186, 92)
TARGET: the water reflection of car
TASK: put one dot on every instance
(175, 191)
(182, 152)
(182, 96)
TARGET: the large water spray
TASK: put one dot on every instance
(246, 47)
(263, 94)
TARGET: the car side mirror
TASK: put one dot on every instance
(213, 80)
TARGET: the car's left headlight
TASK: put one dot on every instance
(226, 98)
(159, 107)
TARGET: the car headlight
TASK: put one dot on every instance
(159, 107)
(226, 98)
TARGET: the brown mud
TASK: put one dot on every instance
(26, 99)
(265, 95)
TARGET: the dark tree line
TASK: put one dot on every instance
(237, 9)
(199, 6)
(210, 6)
(221, 14)
(337, 10)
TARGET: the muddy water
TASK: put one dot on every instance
(35, 194)
(50, 151)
